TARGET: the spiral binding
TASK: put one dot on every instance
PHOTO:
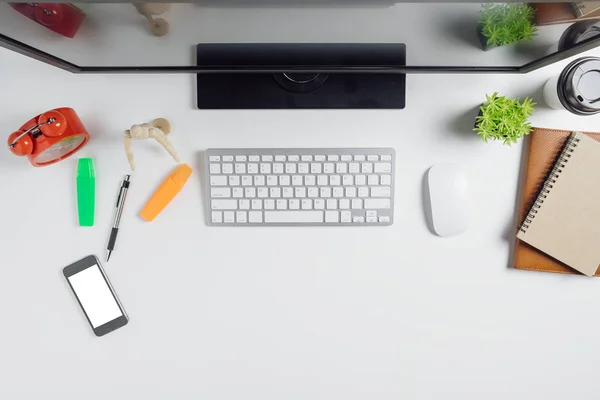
(563, 160)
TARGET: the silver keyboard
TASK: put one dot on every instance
(275, 187)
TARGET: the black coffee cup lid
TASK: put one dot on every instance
(579, 86)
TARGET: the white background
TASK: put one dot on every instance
(282, 313)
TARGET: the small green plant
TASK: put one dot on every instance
(503, 118)
(503, 24)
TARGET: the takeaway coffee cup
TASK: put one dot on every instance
(576, 88)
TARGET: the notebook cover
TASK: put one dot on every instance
(545, 145)
(558, 13)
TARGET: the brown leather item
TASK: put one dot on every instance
(545, 145)
(558, 13)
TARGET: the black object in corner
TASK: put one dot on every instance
(301, 76)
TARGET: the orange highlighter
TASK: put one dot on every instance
(166, 192)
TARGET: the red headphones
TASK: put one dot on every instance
(49, 137)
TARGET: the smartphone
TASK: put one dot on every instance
(95, 295)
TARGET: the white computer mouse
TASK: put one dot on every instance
(449, 197)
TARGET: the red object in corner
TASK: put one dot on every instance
(62, 18)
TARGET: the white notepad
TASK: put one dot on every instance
(564, 221)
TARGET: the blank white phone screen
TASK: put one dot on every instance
(95, 296)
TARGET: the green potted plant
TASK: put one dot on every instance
(503, 24)
(503, 118)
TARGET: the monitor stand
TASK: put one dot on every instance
(239, 76)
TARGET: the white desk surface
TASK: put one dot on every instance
(282, 313)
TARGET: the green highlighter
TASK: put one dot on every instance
(86, 191)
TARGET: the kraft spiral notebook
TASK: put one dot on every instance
(560, 213)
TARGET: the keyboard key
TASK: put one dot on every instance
(256, 204)
(381, 191)
(315, 168)
(377, 203)
(332, 216)
(275, 192)
(386, 157)
(344, 204)
(313, 192)
(384, 219)
(341, 168)
(300, 192)
(354, 168)
(262, 192)
(346, 216)
(244, 204)
(259, 180)
(333, 157)
(272, 180)
(347, 180)
(350, 192)
(228, 168)
(229, 217)
(269, 204)
(328, 168)
(338, 191)
(265, 168)
(240, 168)
(222, 204)
(367, 168)
(254, 158)
(216, 180)
(294, 204)
(358, 219)
(371, 219)
(372, 157)
(240, 158)
(322, 180)
(238, 192)
(215, 168)
(331, 204)
(360, 180)
(293, 216)
(319, 204)
(294, 158)
(288, 192)
(386, 179)
(280, 158)
(303, 168)
(267, 158)
(241, 217)
(278, 168)
(359, 157)
(320, 158)
(214, 158)
(284, 180)
(253, 168)
(310, 180)
(255, 217)
(356, 204)
(306, 158)
(217, 217)
(247, 180)
(297, 180)
(371, 213)
(220, 192)
(282, 204)
(346, 157)
(234, 180)
(363, 191)
(335, 180)
(326, 192)
(306, 204)
(373, 180)
(228, 158)
(250, 192)
(290, 168)
(383, 167)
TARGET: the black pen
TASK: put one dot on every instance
(118, 212)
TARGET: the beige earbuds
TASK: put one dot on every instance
(158, 130)
(158, 26)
